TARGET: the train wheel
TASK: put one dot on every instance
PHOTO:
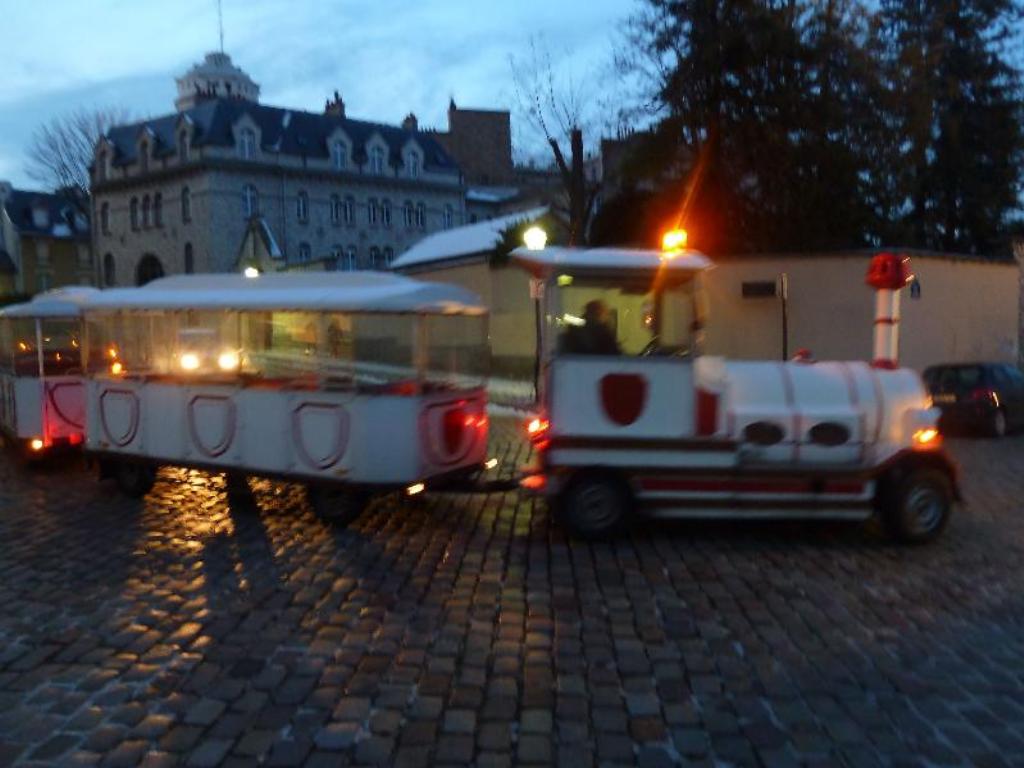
(918, 508)
(594, 505)
(134, 479)
(337, 504)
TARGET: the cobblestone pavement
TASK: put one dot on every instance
(458, 629)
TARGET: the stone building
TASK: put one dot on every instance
(180, 193)
(44, 242)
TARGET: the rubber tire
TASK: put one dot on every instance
(997, 427)
(899, 516)
(337, 505)
(590, 490)
(134, 479)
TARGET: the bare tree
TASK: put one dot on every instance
(556, 107)
(62, 149)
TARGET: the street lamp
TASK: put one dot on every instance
(535, 238)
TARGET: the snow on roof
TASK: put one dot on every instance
(312, 291)
(463, 241)
(491, 194)
(60, 302)
(617, 260)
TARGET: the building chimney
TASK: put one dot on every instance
(335, 106)
(888, 273)
(410, 123)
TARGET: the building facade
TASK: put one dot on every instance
(179, 193)
(44, 243)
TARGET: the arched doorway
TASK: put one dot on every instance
(149, 269)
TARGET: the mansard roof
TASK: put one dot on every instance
(290, 132)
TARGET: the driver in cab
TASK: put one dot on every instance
(595, 336)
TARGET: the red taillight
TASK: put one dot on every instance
(537, 428)
(983, 395)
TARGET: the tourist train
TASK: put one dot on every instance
(360, 383)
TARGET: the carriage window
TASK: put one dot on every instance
(382, 348)
(6, 353)
(62, 352)
(457, 350)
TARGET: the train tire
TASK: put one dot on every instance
(134, 479)
(917, 508)
(594, 505)
(337, 505)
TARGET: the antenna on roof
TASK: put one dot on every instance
(220, 24)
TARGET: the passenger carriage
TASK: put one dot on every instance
(651, 426)
(42, 398)
(352, 383)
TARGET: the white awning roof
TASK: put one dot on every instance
(463, 241)
(313, 291)
(621, 261)
(60, 302)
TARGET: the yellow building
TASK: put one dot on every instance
(44, 243)
(959, 308)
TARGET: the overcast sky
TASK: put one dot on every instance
(386, 57)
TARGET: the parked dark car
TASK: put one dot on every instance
(985, 397)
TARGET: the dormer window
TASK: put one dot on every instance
(101, 165)
(378, 157)
(247, 144)
(302, 206)
(339, 155)
(412, 165)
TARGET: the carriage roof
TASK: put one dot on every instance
(618, 262)
(60, 302)
(306, 291)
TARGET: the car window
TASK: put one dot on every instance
(1000, 377)
(1014, 375)
(959, 378)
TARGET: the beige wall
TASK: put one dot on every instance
(968, 310)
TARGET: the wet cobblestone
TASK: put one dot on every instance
(452, 628)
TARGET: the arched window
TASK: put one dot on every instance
(190, 265)
(449, 217)
(421, 215)
(250, 201)
(407, 214)
(149, 269)
(302, 206)
(335, 209)
(183, 148)
(351, 258)
(385, 212)
(373, 212)
(147, 212)
(109, 270)
(389, 256)
(374, 257)
(378, 158)
(186, 205)
(305, 252)
(158, 210)
(247, 144)
(339, 155)
(349, 211)
(105, 218)
(134, 213)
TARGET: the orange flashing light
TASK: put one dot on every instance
(928, 437)
(116, 368)
(674, 240)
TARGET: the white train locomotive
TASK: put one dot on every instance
(633, 419)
